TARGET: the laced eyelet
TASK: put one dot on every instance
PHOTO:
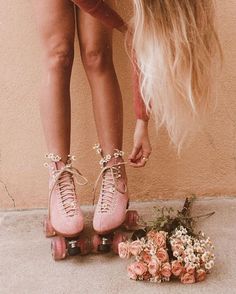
(109, 175)
(63, 182)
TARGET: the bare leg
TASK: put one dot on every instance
(96, 51)
(56, 25)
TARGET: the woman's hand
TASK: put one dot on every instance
(142, 147)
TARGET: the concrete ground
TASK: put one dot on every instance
(26, 265)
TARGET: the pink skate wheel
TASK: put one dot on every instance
(118, 238)
(96, 241)
(58, 248)
(131, 219)
(84, 245)
(48, 228)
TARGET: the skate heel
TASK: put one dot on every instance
(131, 220)
(48, 228)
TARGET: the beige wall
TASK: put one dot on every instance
(207, 166)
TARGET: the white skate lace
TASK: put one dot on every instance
(109, 175)
(64, 179)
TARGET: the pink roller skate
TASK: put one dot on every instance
(111, 210)
(65, 217)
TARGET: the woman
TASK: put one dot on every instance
(56, 24)
(173, 46)
(174, 43)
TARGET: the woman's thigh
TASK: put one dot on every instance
(56, 25)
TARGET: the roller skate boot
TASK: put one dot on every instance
(111, 210)
(65, 217)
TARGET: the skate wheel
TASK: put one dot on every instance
(131, 219)
(84, 245)
(58, 248)
(104, 248)
(73, 247)
(96, 241)
(118, 238)
(48, 228)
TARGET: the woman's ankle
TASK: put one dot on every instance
(57, 157)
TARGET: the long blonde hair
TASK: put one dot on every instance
(174, 42)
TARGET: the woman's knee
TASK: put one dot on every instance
(97, 58)
(59, 54)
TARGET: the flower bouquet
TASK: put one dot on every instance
(169, 248)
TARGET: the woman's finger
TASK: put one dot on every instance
(134, 153)
(140, 163)
(137, 159)
(146, 155)
(142, 159)
(139, 155)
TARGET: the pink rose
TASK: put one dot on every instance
(176, 268)
(147, 276)
(187, 278)
(153, 267)
(135, 247)
(162, 255)
(123, 249)
(190, 270)
(200, 275)
(160, 239)
(166, 270)
(151, 235)
(131, 273)
(145, 257)
(139, 268)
